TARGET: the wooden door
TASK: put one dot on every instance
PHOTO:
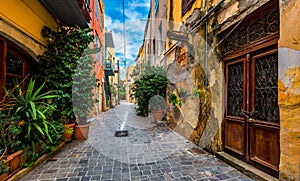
(252, 116)
(263, 113)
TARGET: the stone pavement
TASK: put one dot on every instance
(150, 152)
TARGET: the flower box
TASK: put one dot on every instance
(12, 161)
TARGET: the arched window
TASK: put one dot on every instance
(15, 63)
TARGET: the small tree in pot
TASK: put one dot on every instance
(82, 92)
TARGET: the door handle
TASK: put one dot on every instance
(250, 120)
(245, 113)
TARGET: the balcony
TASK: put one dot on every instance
(109, 71)
(69, 12)
(84, 6)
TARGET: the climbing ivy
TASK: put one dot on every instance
(58, 64)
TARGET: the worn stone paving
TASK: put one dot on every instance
(151, 152)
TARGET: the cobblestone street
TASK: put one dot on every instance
(150, 152)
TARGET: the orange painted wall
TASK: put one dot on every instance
(97, 25)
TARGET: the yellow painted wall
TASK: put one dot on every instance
(29, 16)
(289, 90)
(179, 20)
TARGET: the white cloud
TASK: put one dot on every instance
(139, 3)
(134, 36)
(135, 26)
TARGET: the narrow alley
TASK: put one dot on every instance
(151, 151)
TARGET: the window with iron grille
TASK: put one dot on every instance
(186, 5)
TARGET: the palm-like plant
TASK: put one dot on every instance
(31, 107)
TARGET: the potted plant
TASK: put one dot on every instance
(10, 159)
(152, 82)
(82, 92)
(157, 106)
(68, 131)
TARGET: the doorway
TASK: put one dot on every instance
(251, 123)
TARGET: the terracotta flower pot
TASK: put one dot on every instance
(14, 161)
(69, 130)
(158, 115)
(81, 132)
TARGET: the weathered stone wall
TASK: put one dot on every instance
(204, 127)
(289, 89)
(200, 119)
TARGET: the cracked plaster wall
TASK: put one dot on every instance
(289, 81)
(289, 89)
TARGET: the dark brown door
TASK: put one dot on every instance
(252, 116)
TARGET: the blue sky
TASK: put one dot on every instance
(136, 13)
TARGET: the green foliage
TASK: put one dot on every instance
(174, 99)
(196, 92)
(9, 130)
(56, 135)
(58, 64)
(27, 122)
(3, 168)
(113, 90)
(122, 92)
(83, 84)
(30, 108)
(30, 154)
(152, 82)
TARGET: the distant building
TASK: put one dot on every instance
(155, 33)
(129, 85)
(111, 72)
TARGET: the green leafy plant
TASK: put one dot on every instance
(83, 85)
(30, 155)
(157, 103)
(3, 168)
(122, 92)
(30, 108)
(152, 82)
(65, 48)
(175, 99)
(56, 135)
(196, 92)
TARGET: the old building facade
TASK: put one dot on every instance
(20, 32)
(97, 26)
(129, 84)
(234, 67)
